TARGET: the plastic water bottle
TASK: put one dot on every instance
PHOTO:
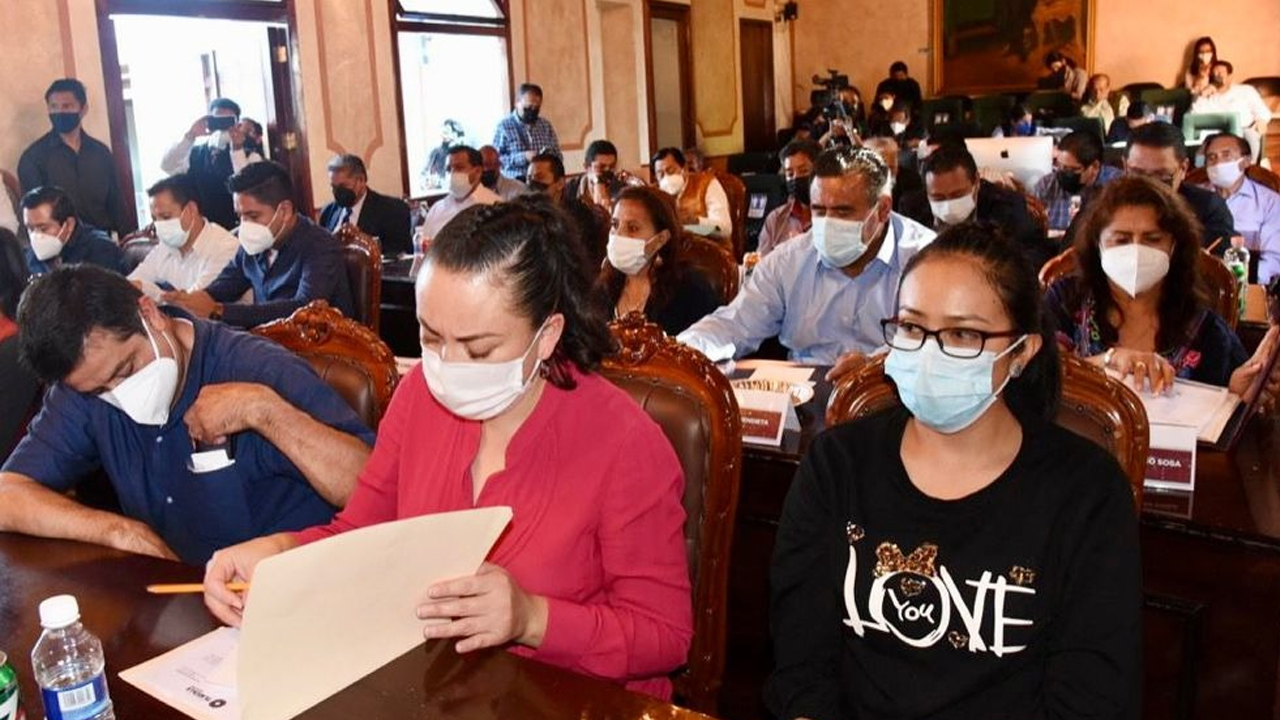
(1237, 259)
(69, 665)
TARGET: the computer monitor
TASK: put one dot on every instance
(1028, 158)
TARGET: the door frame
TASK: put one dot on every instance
(283, 13)
(680, 15)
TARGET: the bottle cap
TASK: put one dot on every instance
(59, 611)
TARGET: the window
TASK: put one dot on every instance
(454, 81)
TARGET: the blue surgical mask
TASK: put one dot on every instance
(1024, 128)
(947, 394)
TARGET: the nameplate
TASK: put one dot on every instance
(765, 416)
(1171, 459)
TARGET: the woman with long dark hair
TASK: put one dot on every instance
(962, 556)
(1204, 53)
(506, 409)
(1137, 306)
(644, 271)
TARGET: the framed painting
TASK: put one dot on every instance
(985, 46)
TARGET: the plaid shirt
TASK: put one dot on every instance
(1058, 201)
(513, 138)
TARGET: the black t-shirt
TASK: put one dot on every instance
(1022, 600)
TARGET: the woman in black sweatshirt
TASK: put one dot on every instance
(963, 557)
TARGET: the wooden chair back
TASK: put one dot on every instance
(1218, 281)
(1093, 406)
(695, 407)
(713, 262)
(345, 353)
(362, 255)
(736, 191)
(1038, 212)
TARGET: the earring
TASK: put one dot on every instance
(1016, 370)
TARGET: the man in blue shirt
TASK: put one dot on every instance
(133, 389)
(523, 134)
(58, 237)
(286, 259)
(1078, 171)
(824, 293)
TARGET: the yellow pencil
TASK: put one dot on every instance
(181, 588)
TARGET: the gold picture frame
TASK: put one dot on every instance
(992, 46)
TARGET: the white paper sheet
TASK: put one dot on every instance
(1207, 408)
(322, 616)
(193, 678)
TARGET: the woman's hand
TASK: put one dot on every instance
(236, 564)
(1148, 370)
(487, 609)
(1242, 379)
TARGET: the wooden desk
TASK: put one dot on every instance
(431, 681)
(398, 320)
(1211, 572)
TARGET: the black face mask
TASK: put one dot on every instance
(538, 187)
(64, 122)
(489, 178)
(1071, 182)
(605, 177)
(529, 114)
(344, 196)
(799, 186)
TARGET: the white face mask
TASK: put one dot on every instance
(45, 246)
(672, 184)
(1136, 268)
(478, 390)
(839, 242)
(898, 127)
(221, 139)
(256, 238)
(145, 396)
(459, 185)
(1225, 174)
(953, 212)
(170, 232)
(627, 254)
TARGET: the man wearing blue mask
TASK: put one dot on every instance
(824, 293)
(133, 388)
(284, 258)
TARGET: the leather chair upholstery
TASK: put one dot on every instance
(347, 355)
(695, 407)
(1093, 406)
(1218, 281)
(363, 257)
(714, 263)
(136, 250)
(736, 191)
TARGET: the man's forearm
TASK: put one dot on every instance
(330, 459)
(29, 508)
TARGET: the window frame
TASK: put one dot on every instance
(442, 24)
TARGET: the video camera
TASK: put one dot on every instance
(826, 94)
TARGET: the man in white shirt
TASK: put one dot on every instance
(1241, 100)
(191, 250)
(465, 167)
(212, 151)
(700, 198)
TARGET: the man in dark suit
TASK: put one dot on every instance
(956, 195)
(382, 216)
(1156, 150)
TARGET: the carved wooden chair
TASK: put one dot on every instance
(695, 406)
(713, 262)
(363, 257)
(1093, 406)
(1218, 281)
(345, 353)
(736, 190)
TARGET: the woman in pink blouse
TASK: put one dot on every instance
(506, 409)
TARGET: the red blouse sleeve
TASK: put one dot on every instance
(645, 625)
(376, 494)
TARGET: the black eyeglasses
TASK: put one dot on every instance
(962, 343)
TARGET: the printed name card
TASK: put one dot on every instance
(765, 415)
(1171, 460)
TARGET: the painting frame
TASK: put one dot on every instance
(964, 54)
